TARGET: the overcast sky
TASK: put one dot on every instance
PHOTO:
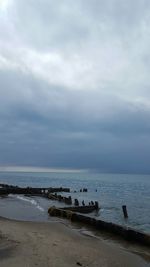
(75, 84)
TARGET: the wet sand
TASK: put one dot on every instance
(53, 244)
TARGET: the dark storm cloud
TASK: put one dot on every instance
(74, 84)
(31, 136)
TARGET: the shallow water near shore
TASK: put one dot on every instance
(110, 190)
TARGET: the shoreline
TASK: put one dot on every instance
(24, 243)
(111, 202)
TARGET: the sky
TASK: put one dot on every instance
(75, 84)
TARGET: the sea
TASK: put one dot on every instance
(110, 190)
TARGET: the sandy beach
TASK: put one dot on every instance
(54, 244)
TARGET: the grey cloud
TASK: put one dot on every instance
(47, 24)
(25, 98)
(68, 137)
(103, 124)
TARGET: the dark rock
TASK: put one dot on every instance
(78, 263)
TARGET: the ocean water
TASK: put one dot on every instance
(110, 190)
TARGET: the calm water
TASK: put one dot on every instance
(113, 191)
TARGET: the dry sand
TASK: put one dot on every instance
(27, 244)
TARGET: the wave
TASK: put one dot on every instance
(32, 201)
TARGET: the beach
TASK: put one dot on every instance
(55, 244)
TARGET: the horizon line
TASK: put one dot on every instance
(38, 169)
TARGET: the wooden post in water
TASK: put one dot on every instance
(125, 213)
(96, 205)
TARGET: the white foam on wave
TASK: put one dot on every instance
(40, 208)
(32, 201)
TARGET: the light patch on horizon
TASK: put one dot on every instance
(37, 169)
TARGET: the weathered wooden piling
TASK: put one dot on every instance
(67, 200)
(126, 233)
(9, 189)
(76, 202)
(85, 190)
(96, 205)
(125, 213)
(82, 209)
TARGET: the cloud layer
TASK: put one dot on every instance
(74, 84)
